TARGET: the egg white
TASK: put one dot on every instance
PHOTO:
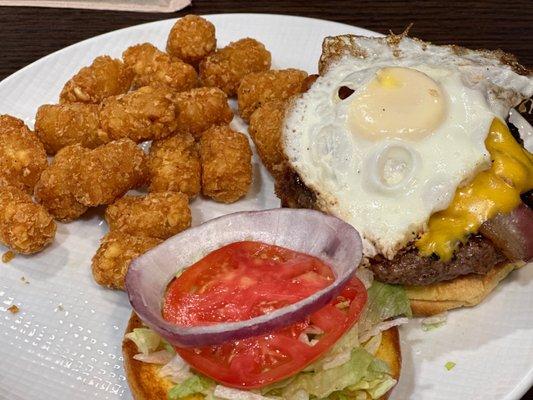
(387, 188)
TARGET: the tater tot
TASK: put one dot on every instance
(25, 227)
(191, 39)
(60, 125)
(55, 190)
(116, 252)
(152, 67)
(226, 67)
(226, 164)
(261, 87)
(157, 215)
(105, 77)
(109, 171)
(148, 113)
(200, 109)
(174, 165)
(22, 155)
(265, 129)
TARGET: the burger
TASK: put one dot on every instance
(410, 143)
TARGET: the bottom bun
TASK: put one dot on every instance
(465, 291)
(390, 352)
(146, 384)
(143, 378)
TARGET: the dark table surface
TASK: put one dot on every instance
(27, 34)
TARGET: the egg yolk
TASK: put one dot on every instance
(496, 190)
(397, 103)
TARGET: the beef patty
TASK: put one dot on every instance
(477, 256)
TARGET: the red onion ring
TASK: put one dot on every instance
(512, 233)
(332, 240)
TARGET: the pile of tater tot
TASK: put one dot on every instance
(85, 150)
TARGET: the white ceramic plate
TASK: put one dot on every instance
(65, 341)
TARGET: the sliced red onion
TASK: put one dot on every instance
(512, 233)
(311, 232)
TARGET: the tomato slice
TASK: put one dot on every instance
(247, 279)
(243, 280)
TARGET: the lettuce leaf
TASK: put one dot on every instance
(145, 339)
(362, 372)
(386, 301)
(228, 393)
(322, 383)
(376, 381)
(345, 344)
(194, 384)
(434, 322)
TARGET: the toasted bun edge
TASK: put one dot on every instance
(464, 291)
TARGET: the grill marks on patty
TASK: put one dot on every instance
(477, 256)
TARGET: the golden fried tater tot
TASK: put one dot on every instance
(157, 215)
(55, 190)
(261, 87)
(60, 125)
(149, 113)
(226, 164)
(200, 109)
(112, 259)
(109, 171)
(191, 39)
(22, 155)
(103, 78)
(226, 67)
(152, 67)
(174, 165)
(25, 227)
(265, 129)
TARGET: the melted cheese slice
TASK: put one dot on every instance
(496, 190)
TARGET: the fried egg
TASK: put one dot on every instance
(393, 126)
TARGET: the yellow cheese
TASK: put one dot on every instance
(496, 190)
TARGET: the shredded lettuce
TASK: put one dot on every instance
(362, 374)
(376, 381)
(227, 393)
(434, 322)
(167, 346)
(341, 349)
(349, 370)
(449, 365)
(365, 275)
(376, 387)
(194, 384)
(177, 370)
(145, 339)
(357, 371)
(386, 301)
(160, 357)
(301, 395)
(372, 345)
